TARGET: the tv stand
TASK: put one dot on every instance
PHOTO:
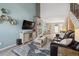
(25, 35)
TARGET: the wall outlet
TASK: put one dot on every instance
(0, 43)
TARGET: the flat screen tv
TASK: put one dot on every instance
(27, 24)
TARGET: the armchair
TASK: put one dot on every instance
(40, 41)
(67, 38)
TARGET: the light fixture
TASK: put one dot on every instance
(5, 11)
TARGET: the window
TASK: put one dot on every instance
(56, 29)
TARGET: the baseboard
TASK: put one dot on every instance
(8, 47)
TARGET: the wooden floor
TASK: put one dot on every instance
(7, 52)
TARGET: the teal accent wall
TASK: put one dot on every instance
(19, 11)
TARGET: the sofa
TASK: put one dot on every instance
(68, 42)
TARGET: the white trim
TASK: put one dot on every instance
(55, 20)
(8, 47)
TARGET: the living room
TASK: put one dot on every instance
(34, 26)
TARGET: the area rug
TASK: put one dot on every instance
(30, 50)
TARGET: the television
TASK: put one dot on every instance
(27, 24)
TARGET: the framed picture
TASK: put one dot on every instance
(74, 8)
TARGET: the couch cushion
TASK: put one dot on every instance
(66, 41)
(62, 35)
(67, 34)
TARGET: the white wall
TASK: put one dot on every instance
(54, 11)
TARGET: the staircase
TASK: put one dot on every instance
(74, 20)
(76, 24)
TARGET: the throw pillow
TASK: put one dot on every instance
(66, 41)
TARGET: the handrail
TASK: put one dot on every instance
(74, 20)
